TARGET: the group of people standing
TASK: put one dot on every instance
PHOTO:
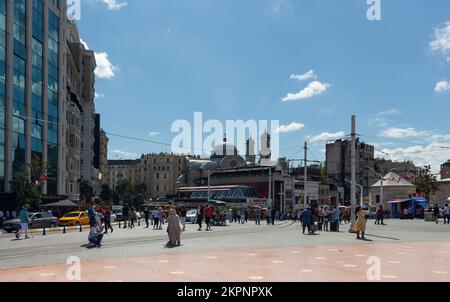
(326, 219)
(205, 213)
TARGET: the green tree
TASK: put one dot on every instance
(27, 185)
(130, 192)
(106, 194)
(426, 182)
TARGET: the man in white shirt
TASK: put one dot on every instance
(447, 214)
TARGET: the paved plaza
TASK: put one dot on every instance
(403, 250)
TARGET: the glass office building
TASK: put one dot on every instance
(31, 59)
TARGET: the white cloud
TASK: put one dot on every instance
(84, 43)
(290, 128)
(389, 112)
(99, 95)
(153, 133)
(381, 119)
(114, 4)
(403, 132)
(442, 86)
(326, 136)
(125, 154)
(303, 77)
(105, 69)
(279, 8)
(313, 88)
(441, 42)
(431, 154)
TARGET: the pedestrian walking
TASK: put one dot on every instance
(436, 212)
(24, 221)
(107, 215)
(155, 215)
(146, 217)
(360, 225)
(208, 216)
(162, 217)
(125, 214)
(13, 214)
(173, 228)
(306, 219)
(246, 215)
(258, 216)
(273, 214)
(182, 215)
(380, 216)
(335, 219)
(200, 213)
(242, 216)
(7, 215)
(133, 217)
(326, 219)
(446, 213)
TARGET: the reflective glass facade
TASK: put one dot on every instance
(52, 101)
(19, 75)
(2, 91)
(37, 81)
(30, 57)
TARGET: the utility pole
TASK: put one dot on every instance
(353, 168)
(209, 186)
(270, 188)
(305, 184)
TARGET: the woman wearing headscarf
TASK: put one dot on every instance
(360, 225)
(174, 228)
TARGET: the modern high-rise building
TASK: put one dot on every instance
(46, 95)
(32, 101)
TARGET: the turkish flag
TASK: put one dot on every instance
(42, 177)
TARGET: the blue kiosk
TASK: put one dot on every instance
(398, 206)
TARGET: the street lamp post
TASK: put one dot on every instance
(362, 191)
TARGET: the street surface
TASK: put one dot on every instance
(407, 250)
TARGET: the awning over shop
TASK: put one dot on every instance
(61, 204)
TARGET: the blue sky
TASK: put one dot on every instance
(162, 60)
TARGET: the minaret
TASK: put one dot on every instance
(250, 155)
(266, 153)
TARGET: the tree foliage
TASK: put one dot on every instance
(426, 182)
(26, 184)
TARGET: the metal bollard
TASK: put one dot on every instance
(81, 228)
(43, 233)
(64, 229)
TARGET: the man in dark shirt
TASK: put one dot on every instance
(125, 213)
(146, 216)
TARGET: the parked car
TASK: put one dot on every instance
(119, 216)
(74, 219)
(37, 221)
(191, 216)
(113, 217)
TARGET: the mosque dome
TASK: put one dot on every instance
(224, 149)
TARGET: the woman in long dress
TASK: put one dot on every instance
(174, 228)
(360, 225)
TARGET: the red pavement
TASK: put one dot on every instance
(422, 262)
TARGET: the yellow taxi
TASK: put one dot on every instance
(74, 219)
